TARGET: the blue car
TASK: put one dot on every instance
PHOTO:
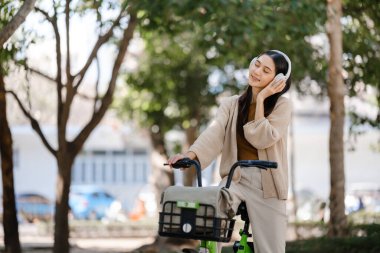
(33, 207)
(89, 202)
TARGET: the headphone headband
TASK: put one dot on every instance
(286, 58)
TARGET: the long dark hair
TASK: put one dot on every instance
(245, 99)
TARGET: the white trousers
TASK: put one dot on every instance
(267, 216)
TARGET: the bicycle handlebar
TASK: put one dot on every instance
(257, 163)
(249, 163)
(187, 163)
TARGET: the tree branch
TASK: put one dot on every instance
(97, 83)
(16, 21)
(63, 117)
(67, 14)
(51, 79)
(35, 71)
(58, 80)
(86, 97)
(79, 140)
(34, 123)
(45, 14)
(102, 39)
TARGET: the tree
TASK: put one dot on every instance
(359, 56)
(10, 223)
(336, 93)
(360, 46)
(8, 25)
(19, 18)
(67, 90)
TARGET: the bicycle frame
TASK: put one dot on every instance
(208, 247)
(243, 245)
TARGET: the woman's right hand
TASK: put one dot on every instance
(173, 159)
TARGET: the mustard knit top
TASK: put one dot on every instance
(245, 150)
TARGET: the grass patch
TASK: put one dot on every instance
(367, 242)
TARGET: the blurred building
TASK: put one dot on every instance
(114, 158)
(311, 130)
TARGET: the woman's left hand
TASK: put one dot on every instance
(271, 89)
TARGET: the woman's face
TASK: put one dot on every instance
(261, 72)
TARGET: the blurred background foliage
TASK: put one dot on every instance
(197, 47)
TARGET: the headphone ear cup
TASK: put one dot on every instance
(280, 77)
(277, 79)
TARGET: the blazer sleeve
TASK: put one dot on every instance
(265, 132)
(209, 144)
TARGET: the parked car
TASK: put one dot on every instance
(33, 207)
(91, 202)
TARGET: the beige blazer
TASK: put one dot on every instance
(268, 135)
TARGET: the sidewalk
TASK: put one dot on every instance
(42, 244)
(91, 239)
(34, 240)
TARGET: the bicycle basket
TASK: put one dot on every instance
(203, 213)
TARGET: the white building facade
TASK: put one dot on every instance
(115, 159)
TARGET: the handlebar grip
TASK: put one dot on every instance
(258, 163)
(268, 164)
(183, 163)
(187, 163)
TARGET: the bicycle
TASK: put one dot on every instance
(179, 218)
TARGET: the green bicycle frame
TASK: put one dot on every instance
(243, 246)
(211, 246)
(208, 247)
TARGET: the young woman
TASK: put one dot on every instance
(248, 127)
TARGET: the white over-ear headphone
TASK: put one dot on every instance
(280, 76)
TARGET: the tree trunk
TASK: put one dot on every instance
(336, 91)
(61, 230)
(10, 223)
